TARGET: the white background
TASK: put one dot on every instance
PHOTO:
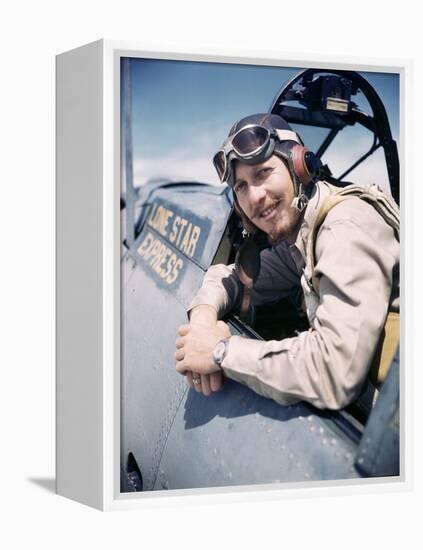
(31, 34)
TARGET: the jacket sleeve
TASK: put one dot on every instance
(222, 289)
(356, 256)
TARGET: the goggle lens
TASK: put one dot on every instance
(246, 144)
(250, 140)
(219, 162)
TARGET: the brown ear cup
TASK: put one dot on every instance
(298, 156)
(304, 165)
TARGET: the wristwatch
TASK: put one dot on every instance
(220, 351)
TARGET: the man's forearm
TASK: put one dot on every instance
(203, 314)
(218, 291)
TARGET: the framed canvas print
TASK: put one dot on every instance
(228, 261)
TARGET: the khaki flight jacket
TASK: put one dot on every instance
(356, 263)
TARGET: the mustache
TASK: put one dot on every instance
(259, 209)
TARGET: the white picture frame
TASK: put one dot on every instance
(88, 277)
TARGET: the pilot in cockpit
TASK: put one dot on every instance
(340, 246)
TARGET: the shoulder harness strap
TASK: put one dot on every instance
(384, 205)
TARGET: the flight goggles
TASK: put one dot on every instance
(251, 144)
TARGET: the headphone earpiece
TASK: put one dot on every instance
(306, 164)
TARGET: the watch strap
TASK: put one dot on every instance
(220, 351)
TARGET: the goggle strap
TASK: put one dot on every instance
(288, 135)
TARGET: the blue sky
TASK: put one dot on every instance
(182, 111)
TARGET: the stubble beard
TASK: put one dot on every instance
(286, 230)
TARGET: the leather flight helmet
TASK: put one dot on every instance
(253, 140)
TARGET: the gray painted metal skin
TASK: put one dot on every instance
(175, 438)
(378, 452)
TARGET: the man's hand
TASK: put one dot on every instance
(206, 316)
(194, 351)
(208, 384)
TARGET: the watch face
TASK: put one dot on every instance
(219, 352)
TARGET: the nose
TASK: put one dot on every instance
(257, 196)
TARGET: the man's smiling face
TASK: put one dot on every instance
(265, 193)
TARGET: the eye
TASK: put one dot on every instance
(264, 172)
(240, 187)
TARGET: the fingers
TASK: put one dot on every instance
(209, 383)
(181, 368)
(216, 381)
(180, 342)
(196, 381)
(180, 354)
(213, 383)
(183, 330)
(189, 379)
(205, 385)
